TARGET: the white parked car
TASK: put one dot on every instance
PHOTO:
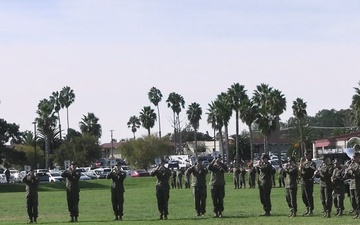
(55, 177)
(127, 170)
(84, 177)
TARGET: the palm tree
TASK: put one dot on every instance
(248, 113)
(216, 121)
(355, 106)
(46, 121)
(90, 125)
(147, 118)
(155, 97)
(176, 103)
(194, 113)
(237, 94)
(134, 124)
(299, 111)
(56, 100)
(67, 98)
(223, 103)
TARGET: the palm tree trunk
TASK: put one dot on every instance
(227, 145)
(159, 121)
(67, 116)
(278, 138)
(251, 143)
(214, 149)
(175, 134)
(148, 132)
(59, 126)
(237, 139)
(221, 143)
(180, 138)
(266, 144)
(196, 152)
(134, 135)
(47, 150)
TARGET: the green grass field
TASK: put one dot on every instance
(241, 206)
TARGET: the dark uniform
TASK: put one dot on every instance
(265, 170)
(291, 175)
(339, 188)
(173, 178)
(236, 177)
(325, 172)
(7, 175)
(199, 173)
(281, 177)
(352, 185)
(72, 191)
(308, 169)
(353, 172)
(187, 180)
(117, 191)
(163, 175)
(179, 177)
(273, 176)
(252, 176)
(32, 182)
(242, 177)
(217, 183)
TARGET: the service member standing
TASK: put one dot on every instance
(242, 176)
(252, 176)
(339, 187)
(117, 175)
(352, 186)
(173, 178)
(217, 183)
(291, 171)
(163, 175)
(281, 176)
(265, 170)
(236, 176)
(31, 181)
(353, 172)
(325, 172)
(72, 191)
(307, 167)
(179, 177)
(199, 173)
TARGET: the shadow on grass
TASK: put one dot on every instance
(58, 186)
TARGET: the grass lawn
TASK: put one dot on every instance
(241, 206)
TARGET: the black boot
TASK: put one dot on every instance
(306, 213)
(116, 217)
(72, 219)
(30, 220)
(310, 213)
(337, 212)
(340, 212)
(291, 213)
(35, 221)
(327, 214)
(75, 218)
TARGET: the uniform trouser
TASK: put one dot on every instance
(200, 196)
(173, 183)
(117, 200)
(187, 183)
(291, 198)
(338, 197)
(218, 195)
(236, 182)
(357, 199)
(326, 198)
(163, 196)
(307, 191)
(242, 182)
(252, 182)
(273, 180)
(281, 182)
(353, 199)
(265, 197)
(179, 183)
(32, 207)
(73, 203)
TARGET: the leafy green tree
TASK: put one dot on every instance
(84, 149)
(142, 152)
(278, 106)
(355, 106)
(46, 121)
(248, 115)
(147, 118)
(155, 97)
(237, 94)
(67, 97)
(9, 132)
(56, 100)
(194, 113)
(176, 102)
(134, 123)
(90, 125)
(216, 120)
(29, 152)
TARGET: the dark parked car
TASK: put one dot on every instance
(43, 177)
(140, 173)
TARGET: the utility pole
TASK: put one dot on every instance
(35, 139)
(112, 144)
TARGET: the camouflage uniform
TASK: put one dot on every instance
(173, 179)
(242, 177)
(162, 189)
(217, 183)
(32, 182)
(179, 177)
(265, 184)
(291, 175)
(72, 192)
(326, 187)
(199, 173)
(339, 189)
(252, 177)
(307, 185)
(117, 192)
(236, 177)
(353, 172)
(352, 185)
(281, 177)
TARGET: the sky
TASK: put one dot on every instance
(112, 52)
